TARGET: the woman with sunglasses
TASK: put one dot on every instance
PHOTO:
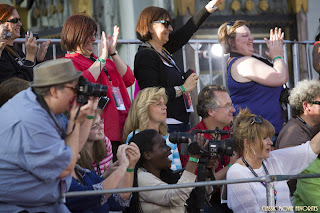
(252, 137)
(253, 81)
(78, 37)
(13, 62)
(154, 65)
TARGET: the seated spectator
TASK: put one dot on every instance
(216, 109)
(304, 100)
(121, 177)
(149, 111)
(308, 189)
(153, 168)
(252, 136)
(13, 61)
(11, 87)
(96, 153)
(38, 146)
(77, 36)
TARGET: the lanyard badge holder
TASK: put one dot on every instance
(118, 98)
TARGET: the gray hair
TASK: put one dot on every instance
(306, 90)
(207, 99)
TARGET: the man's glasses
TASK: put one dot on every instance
(257, 119)
(97, 125)
(74, 89)
(227, 106)
(315, 102)
(164, 22)
(14, 20)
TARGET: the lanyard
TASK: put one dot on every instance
(305, 124)
(104, 69)
(263, 183)
(98, 168)
(171, 61)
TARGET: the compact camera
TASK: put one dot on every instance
(35, 35)
(6, 34)
(86, 89)
(214, 149)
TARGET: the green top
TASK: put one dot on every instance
(307, 194)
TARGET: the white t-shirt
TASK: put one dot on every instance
(251, 197)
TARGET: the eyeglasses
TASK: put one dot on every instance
(315, 102)
(97, 125)
(257, 119)
(74, 89)
(227, 106)
(14, 20)
(164, 22)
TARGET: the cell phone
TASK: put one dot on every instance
(6, 34)
(103, 102)
(188, 73)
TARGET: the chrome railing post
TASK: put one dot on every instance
(296, 63)
(270, 193)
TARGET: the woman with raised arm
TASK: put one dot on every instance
(254, 82)
(154, 65)
(77, 36)
(252, 137)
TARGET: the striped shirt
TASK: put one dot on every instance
(106, 161)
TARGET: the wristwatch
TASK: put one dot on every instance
(115, 53)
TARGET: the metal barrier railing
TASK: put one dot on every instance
(267, 179)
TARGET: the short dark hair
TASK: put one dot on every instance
(11, 87)
(147, 16)
(207, 99)
(76, 31)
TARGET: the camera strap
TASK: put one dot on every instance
(255, 174)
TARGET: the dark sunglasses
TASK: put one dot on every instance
(315, 102)
(257, 119)
(164, 22)
(229, 25)
(14, 20)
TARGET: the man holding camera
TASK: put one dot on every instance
(38, 146)
(216, 109)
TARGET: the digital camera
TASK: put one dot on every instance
(86, 89)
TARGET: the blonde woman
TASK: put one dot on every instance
(252, 137)
(149, 111)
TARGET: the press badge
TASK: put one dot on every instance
(118, 98)
(188, 102)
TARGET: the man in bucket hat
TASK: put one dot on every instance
(38, 146)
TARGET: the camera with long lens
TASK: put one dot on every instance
(214, 149)
(6, 34)
(86, 89)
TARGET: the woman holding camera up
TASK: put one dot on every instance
(154, 65)
(13, 62)
(77, 36)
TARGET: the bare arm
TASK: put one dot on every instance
(96, 67)
(315, 143)
(316, 57)
(112, 47)
(250, 69)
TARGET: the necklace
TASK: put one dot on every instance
(305, 123)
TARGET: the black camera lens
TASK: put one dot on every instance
(86, 89)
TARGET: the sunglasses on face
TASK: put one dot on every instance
(315, 102)
(164, 22)
(14, 20)
(257, 119)
(229, 26)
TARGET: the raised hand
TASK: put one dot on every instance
(122, 156)
(212, 4)
(3, 41)
(133, 153)
(31, 47)
(42, 51)
(112, 167)
(112, 41)
(191, 82)
(275, 44)
(103, 50)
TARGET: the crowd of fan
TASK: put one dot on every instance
(52, 143)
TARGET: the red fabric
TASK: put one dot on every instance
(184, 158)
(113, 118)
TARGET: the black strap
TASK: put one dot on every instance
(168, 57)
(255, 174)
(103, 68)
(305, 124)
(79, 175)
(98, 168)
